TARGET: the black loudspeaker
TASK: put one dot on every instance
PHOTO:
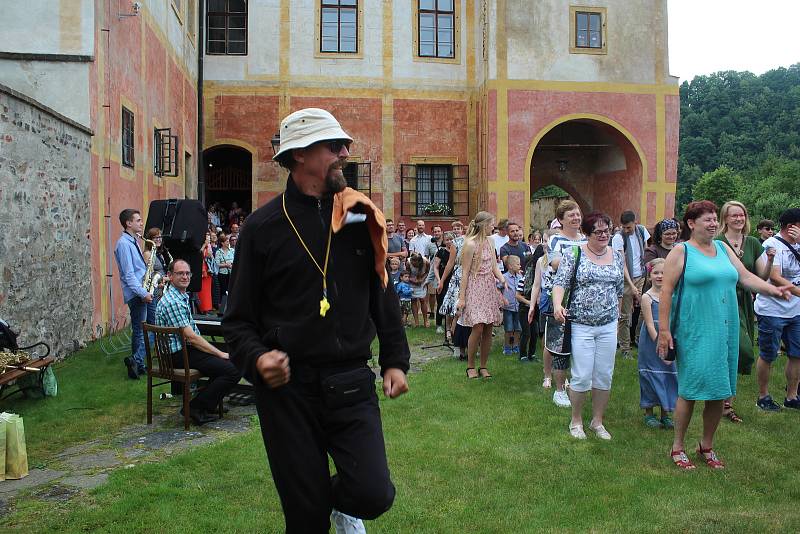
(183, 221)
(183, 224)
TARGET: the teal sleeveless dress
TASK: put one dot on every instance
(707, 337)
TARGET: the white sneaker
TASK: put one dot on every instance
(347, 524)
(561, 399)
(439, 330)
(600, 431)
(576, 431)
(456, 352)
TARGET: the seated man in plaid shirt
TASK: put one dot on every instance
(173, 310)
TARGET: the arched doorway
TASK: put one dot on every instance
(229, 176)
(596, 163)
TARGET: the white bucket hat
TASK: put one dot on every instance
(308, 126)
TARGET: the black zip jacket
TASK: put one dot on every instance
(275, 290)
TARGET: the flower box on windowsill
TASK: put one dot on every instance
(440, 210)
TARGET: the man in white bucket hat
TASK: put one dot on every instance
(306, 297)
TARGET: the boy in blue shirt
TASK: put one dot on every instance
(403, 290)
(511, 323)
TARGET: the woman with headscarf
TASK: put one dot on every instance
(665, 235)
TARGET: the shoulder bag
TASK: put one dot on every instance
(790, 247)
(558, 336)
(673, 352)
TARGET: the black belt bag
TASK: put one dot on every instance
(348, 388)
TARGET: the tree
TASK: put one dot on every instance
(718, 186)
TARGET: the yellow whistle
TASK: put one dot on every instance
(324, 306)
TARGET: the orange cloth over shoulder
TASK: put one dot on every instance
(376, 224)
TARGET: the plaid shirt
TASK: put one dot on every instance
(173, 310)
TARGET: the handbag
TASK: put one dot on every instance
(558, 336)
(673, 352)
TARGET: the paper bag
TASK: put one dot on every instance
(16, 452)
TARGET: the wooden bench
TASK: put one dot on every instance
(11, 375)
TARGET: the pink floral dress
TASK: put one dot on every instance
(482, 300)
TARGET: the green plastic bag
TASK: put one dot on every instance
(16, 460)
(49, 382)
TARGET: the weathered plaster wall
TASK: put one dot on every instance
(147, 64)
(60, 86)
(539, 42)
(433, 131)
(61, 27)
(44, 250)
(53, 29)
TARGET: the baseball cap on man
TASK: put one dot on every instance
(307, 126)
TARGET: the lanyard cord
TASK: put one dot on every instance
(323, 304)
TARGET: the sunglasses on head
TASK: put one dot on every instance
(336, 145)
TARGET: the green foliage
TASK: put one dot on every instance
(549, 191)
(740, 138)
(719, 186)
(771, 188)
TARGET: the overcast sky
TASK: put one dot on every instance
(707, 36)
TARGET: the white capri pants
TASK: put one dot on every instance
(594, 350)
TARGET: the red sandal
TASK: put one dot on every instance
(680, 459)
(711, 460)
(728, 411)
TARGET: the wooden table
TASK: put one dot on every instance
(11, 375)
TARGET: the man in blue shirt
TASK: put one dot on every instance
(132, 269)
(173, 310)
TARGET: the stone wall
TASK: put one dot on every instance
(45, 270)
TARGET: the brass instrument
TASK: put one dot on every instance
(10, 361)
(151, 279)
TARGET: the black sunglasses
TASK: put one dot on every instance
(336, 146)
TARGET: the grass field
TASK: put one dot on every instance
(466, 456)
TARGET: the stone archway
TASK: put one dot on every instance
(599, 164)
(229, 176)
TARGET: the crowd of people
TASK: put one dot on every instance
(607, 282)
(687, 293)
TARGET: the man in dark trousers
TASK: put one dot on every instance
(307, 295)
(132, 269)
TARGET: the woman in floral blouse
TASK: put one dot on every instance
(593, 312)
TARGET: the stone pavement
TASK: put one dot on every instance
(88, 465)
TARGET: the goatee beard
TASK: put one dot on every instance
(335, 181)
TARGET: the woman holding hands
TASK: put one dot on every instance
(734, 232)
(705, 327)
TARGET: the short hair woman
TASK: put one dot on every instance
(707, 331)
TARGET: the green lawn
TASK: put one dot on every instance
(95, 397)
(466, 456)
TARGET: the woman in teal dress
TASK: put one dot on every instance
(706, 325)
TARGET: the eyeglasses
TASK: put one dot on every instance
(187, 274)
(336, 146)
(602, 232)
